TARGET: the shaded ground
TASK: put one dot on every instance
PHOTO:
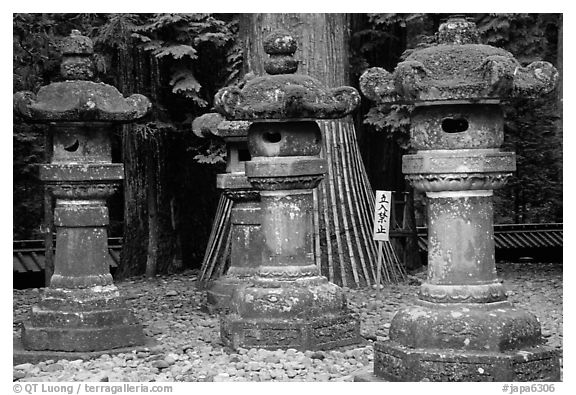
(170, 308)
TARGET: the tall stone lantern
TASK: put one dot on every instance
(462, 327)
(81, 311)
(287, 304)
(245, 233)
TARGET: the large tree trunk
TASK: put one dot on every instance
(344, 248)
(135, 239)
(560, 99)
(151, 161)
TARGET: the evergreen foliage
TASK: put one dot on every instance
(196, 54)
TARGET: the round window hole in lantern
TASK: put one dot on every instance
(272, 137)
(454, 125)
(73, 147)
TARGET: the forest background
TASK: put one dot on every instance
(180, 61)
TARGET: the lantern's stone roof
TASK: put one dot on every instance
(282, 94)
(77, 98)
(214, 124)
(206, 124)
(458, 68)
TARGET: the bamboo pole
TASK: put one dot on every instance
(326, 222)
(345, 193)
(366, 204)
(215, 256)
(331, 184)
(379, 266)
(360, 231)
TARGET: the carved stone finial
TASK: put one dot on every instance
(281, 46)
(458, 30)
(77, 51)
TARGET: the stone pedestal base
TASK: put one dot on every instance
(314, 334)
(366, 374)
(81, 339)
(81, 320)
(307, 313)
(20, 355)
(394, 362)
(489, 327)
(220, 292)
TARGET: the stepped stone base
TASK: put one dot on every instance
(81, 320)
(20, 355)
(315, 334)
(393, 362)
(81, 339)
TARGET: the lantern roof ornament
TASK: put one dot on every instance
(77, 98)
(458, 68)
(214, 124)
(283, 94)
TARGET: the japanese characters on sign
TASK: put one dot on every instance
(382, 215)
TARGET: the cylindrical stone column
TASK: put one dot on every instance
(288, 304)
(462, 327)
(285, 167)
(244, 233)
(82, 312)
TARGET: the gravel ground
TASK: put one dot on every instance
(170, 308)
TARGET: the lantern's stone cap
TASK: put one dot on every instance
(206, 124)
(80, 101)
(282, 94)
(77, 98)
(214, 124)
(458, 68)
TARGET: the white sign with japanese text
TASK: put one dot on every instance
(382, 215)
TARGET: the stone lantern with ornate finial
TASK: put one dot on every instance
(82, 310)
(462, 327)
(287, 304)
(245, 236)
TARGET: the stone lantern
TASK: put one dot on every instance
(81, 311)
(245, 234)
(462, 327)
(287, 304)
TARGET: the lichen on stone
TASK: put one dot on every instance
(80, 101)
(458, 68)
(282, 94)
(78, 98)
